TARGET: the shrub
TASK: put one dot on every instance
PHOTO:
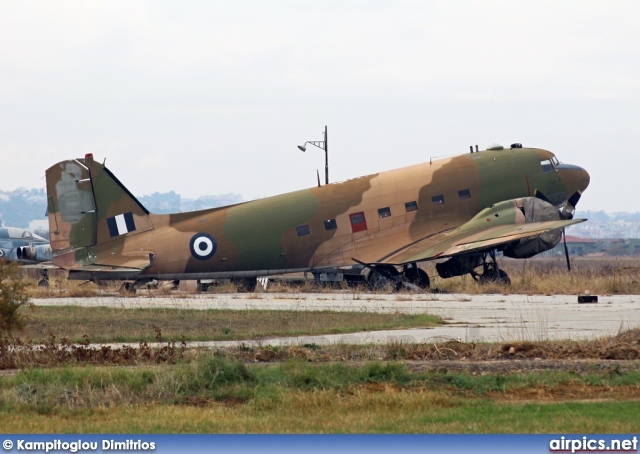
(12, 296)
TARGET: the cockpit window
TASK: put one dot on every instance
(554, 161)
(547, 166)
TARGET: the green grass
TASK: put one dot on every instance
(331, 412)
(212, 394)
(104, 324)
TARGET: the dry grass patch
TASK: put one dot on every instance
(549, 276)
(102, 324)
(623, 348)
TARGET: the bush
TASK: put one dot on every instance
(12, 297)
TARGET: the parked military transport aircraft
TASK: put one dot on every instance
(23, 246)
(463, 209)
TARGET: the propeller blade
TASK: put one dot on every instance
(541, 196)
(566, 249)
(570, 206)
(574, 199)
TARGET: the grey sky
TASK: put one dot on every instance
(213, 97)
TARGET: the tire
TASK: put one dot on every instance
(500, 277)
(417, 276)
(245, 285)
(378, 281)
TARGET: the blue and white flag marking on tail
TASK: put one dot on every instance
(121, 224)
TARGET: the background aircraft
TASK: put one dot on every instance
(379, 227)
(23, 246)
(27, 248)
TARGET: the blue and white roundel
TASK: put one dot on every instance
(203, 246)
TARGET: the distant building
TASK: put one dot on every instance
(599, 246)
(603, 225)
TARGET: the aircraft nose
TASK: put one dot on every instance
(574, 177)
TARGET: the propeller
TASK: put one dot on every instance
(566, 212)
(538, 193)
(570, 207)
(566, 249)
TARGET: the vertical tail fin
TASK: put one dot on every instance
(90, 211)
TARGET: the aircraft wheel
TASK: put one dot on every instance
(492, 275)
(378, 281)
(128, 287)
(417, 276)
(245, 285)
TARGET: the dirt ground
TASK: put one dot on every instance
(616, 353)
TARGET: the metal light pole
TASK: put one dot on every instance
(323, 145)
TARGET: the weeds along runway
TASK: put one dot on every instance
(470, 318)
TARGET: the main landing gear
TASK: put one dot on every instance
(381, 276)
(490, 271)
(416, 276)
(130, 287)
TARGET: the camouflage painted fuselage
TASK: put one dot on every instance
(95, 221)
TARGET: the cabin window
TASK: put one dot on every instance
(358, 222)
(464, 194)
(303, 230)
(330, 224)
(546, 165)
(438, 199)
(384, 212)
(411, 206)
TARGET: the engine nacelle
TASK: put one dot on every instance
(535, 210)
(509, 212)
(35, 253)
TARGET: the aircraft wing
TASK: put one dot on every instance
(464, 240)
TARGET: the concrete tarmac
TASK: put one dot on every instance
(470, 318)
